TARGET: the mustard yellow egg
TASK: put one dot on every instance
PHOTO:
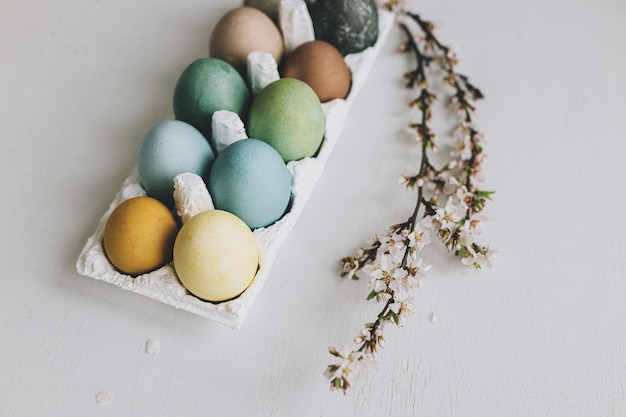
(139, 235)
(215, 256)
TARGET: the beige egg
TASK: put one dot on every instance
(241, 31)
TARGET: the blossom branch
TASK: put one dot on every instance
(392, 261)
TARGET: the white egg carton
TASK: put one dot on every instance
(163, 285)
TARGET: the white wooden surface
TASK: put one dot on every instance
(542, 334)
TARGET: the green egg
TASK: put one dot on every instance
(206, 86)
(287, 115)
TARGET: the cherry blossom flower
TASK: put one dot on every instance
(349, 365)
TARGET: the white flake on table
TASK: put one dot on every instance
(435, 319)
(153, 347)
(103, 397)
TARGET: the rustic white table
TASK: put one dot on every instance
(541, 334)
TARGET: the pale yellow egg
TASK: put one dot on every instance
(216, 256)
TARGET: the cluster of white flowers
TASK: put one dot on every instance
(463, 147)
(350, 364)
(397, 269)
(458, 226)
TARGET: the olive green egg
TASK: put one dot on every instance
(206, 86)
(287, 115)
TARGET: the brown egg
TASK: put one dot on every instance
(322, 67)
(241, 31)
(139, 235)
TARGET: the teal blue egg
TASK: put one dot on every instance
(206, 86)
(250, 180)
(170, 148)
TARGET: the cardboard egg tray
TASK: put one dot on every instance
(163, 285)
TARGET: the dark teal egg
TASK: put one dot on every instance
(206, 86)
(250, 180)
(170, 148)
(350, 25)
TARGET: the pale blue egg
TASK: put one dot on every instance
(170, 148)
(250, 179)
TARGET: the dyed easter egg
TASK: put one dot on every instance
(250, 180)
(287, 115)
(215, 256)
(349, 25)
(322, 67)
(206, 86)
(241, 31)
(170, 148)
(139, 235)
